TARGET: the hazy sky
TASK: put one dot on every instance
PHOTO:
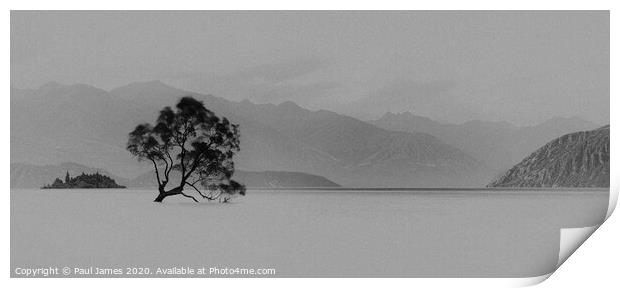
(521, 67)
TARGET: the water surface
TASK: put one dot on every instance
(404, 233)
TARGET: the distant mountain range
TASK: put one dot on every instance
(79, 123)
(578, 159)
(283, 179)
(500, 145)
(34, 176)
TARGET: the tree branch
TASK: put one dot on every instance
(194, 166)
(171, 165)
(203, 195)
(165, 169)
(156, 171)
(189, 196)
(216, 196)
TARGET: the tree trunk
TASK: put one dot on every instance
(161, 197)
(163, 194)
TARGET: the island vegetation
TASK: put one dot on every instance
(83, 181)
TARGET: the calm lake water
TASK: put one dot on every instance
(483, 233)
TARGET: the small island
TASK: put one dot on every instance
(83, 181)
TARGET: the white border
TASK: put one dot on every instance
(598, 264)
(310, 5)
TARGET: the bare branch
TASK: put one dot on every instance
(189, 196)
(203, 196)
(156, 171)
(216, 196)
(165, 169)
(171, 165)
(194, 166)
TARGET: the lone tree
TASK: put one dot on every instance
(195, 143)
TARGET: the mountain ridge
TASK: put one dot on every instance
(500, 145)
(579, 159)
(88, 125)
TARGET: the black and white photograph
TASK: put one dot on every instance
(306, 144)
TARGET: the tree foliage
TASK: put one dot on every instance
(194, 142)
